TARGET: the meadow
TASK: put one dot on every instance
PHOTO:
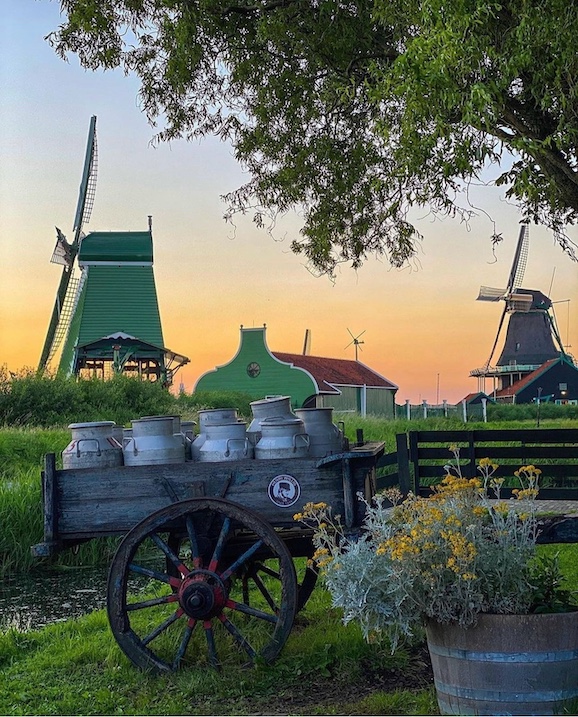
(75, 667)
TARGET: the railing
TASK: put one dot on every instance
(463, 411)
(421, 456)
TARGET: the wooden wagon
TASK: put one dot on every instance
(211, 557)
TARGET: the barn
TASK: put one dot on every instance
(311, 381)
(555, 380)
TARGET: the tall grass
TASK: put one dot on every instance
(21, 461)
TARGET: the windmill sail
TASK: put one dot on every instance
(65, 253)
(520, 259)
(61, 254)
(66, 312)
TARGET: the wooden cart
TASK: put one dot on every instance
(211, 566)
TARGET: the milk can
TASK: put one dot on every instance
(209, 416)
(225, 442)
(154, 442)
(282, 438)
(275, 407)
(324, 436)
(92, 446)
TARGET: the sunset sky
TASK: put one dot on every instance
(423, 328)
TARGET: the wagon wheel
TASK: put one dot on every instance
(163, 618)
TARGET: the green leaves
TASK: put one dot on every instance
(356, 112)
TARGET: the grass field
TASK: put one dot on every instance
(76, 667)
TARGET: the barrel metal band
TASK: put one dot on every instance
(557, 656)
(504, 696)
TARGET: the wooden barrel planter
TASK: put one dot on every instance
(507, 665)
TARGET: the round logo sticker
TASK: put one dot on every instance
(284, 490)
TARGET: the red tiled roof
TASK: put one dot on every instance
(470, 396)
(515, 388)
(329, 372)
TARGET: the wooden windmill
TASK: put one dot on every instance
(532, 337)
(108, 319)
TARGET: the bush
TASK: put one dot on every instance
(31, 399)
(529, 411)
(216, 399)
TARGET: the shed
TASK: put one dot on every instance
(311, 381)
(555, 380)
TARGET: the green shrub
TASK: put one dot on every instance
(216, 399)
(529, 411)
(30, 399)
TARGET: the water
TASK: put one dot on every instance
(31, 601)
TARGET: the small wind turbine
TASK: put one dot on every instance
(355, 341)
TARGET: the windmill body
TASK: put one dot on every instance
(532, 337)
(108, 319)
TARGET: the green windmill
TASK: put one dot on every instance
(107, 320)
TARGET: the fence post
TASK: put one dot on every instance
(485, 409)
(424, 404)
(403, 463)
(407, 409)
(464, 411)
(445, 402)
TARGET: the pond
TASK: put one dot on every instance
(33, 600)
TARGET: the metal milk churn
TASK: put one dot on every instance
(92, 446)
(226, 441)
(154, 442)
(282, 438)
(324, 436)
(208, 416)
(274, 407)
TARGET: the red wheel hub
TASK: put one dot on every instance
(202, 594)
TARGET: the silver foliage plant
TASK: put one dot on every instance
(447, 558)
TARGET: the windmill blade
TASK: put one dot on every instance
(87, 189)
(55, 316)
(61, 254)
(489, 293)
(355, 339)
(489, 361)
(520, 259)
(555, 331)
(83, 210)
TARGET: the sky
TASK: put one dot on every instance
(421, 326)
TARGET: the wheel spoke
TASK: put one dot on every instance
(220, 544)
(163, 626)
(184, 643)
(175, 560)
(267, 570)
(153, 601)
(193, 540)
(264, 592)
(245, 588)
(213, 659)
(162, 577)
(248, 610)
(242, 559)
(239, 639)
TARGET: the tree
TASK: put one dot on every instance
(356, 111)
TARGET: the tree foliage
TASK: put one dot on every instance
(356, 111)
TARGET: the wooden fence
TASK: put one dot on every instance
(421, 456)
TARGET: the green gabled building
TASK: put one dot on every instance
(115, 323)
(310, 381)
